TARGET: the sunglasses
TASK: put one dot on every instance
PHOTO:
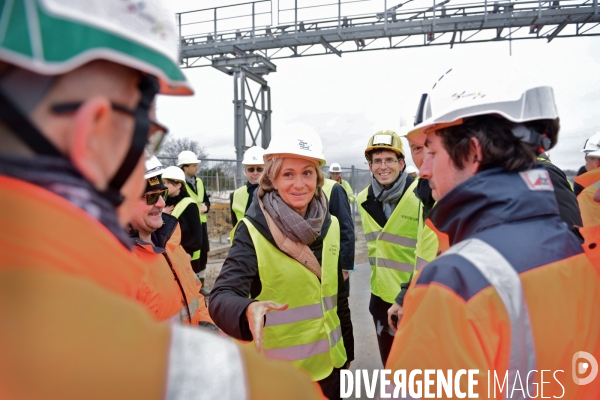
(152, 198)
(156, 133)
(251, 169)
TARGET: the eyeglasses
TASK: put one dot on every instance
(156, 133)
(388, 161)
(251, 169)
(152, 198)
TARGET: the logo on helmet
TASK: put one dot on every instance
(304, 145)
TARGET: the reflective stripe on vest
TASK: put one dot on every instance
(308, 332)
(178, 210)
(240, 199)
(391, 249)
(182, 315)
(503, 277)
(198, 198)
(328, 185)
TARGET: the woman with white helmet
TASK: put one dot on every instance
(281, 284)
(178, 205)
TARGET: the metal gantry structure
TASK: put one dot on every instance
(242, 40)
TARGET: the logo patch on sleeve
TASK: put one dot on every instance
(537, 179)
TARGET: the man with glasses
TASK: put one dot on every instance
(63, 171)
(389, 214)
(170, 290)
(242, 198)
(590, 210)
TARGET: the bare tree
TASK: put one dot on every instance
(174, 145)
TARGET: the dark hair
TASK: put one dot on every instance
(499, 146)
(373, 152)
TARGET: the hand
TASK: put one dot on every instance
(203, 208)
(168, 209)
(255, 313)
(345, 274)
(189, 257)
(347, 366)
(395, 309)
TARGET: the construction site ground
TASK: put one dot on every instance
(365, 343)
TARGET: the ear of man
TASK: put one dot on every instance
(475, 155)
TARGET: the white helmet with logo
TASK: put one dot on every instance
(296, 140)
(187, 157)
(254, 156)
(335, 167)
(498, 90)
(592, 146)
(174, 173)
(153, 167)
(411, 170)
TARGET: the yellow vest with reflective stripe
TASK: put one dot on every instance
(240, 199)
(427, 243)
(198, 198)
(308, 333)
(328, 187)
(178, 210)
(349, 191)
(391, 249)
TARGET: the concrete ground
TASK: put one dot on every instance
(365, 342)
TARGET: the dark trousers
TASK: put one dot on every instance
(347, 284)
(331, 385)
(204, 249)
(384, 339)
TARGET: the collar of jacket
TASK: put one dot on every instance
(488, 199)
(171, 201)
(160, 237)
(374, 208)
(256, 216)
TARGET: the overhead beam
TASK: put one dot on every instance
(328, 45)
(556, 31)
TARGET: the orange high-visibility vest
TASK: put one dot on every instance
(168, 273)
(590, 210)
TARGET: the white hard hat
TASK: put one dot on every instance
(187, 157)
(592, 146)
(411, 170)
(254, 156)
(481, 90)
(174, 173)
(153, 167)
(298, 140)
(335, 167)
(139, 35)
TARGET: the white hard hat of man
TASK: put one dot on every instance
(592, 146)
(254, 156)
(187, 157)
(335, 167)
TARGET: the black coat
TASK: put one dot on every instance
(239, 284)
(189, 221)
(339, 207)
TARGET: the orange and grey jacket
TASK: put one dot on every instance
(66, 304)
(169, 290)
(590, 210)
(514, 294)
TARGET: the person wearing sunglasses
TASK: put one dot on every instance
(182, 206)
(62, 174)
(241, 199)
(170, 290)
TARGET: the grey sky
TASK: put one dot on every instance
(349, 98)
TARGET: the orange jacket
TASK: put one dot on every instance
(590, 210)
(170, 272)
(66, 322)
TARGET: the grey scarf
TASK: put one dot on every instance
(292, 224)
(390, 196)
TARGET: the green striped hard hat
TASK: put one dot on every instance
(52, 37)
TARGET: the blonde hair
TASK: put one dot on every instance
(272, 170)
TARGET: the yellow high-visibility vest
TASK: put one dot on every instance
(178, 210)
(198, 198)
(240, 199)
(308, 333)
(391, 249)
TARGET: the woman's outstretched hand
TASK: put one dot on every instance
(255, 313)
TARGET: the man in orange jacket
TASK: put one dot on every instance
(590, 210)
(480, 312)
(77, 80)
(170, 290)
